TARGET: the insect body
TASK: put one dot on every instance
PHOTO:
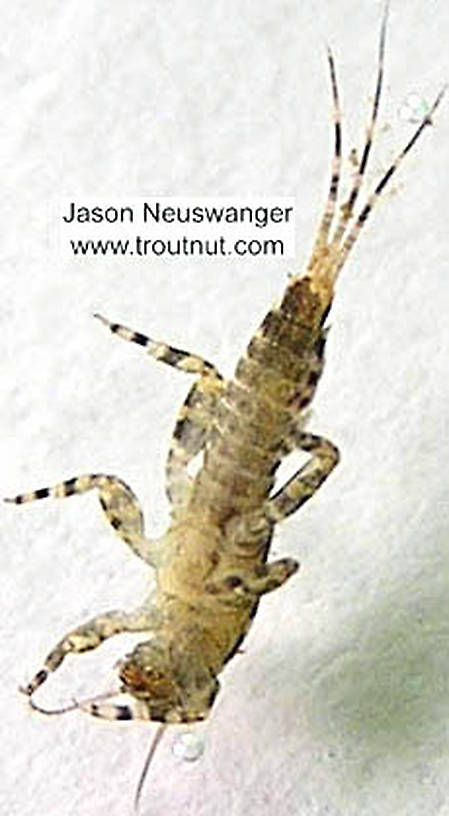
(211, 565)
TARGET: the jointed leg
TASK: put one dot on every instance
(194, 420)
(117, 500)
(133, 709)
(88, 636)
(189, 436)
(190, 363)
(307, 480)
(250, 584)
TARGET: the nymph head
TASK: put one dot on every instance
(169, 681)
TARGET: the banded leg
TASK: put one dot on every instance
(194, 420)
(190, 363)
(89, 636)
(119, 504)
(307, 480)
(244, 585)
(189, 436)
(135, 709)
(132, 710)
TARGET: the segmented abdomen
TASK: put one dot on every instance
(273, 383)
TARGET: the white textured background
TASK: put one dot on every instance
(339, 705)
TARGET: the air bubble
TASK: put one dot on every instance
(414, 108)
(188, 746)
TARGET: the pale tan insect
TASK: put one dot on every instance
(211, 565)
